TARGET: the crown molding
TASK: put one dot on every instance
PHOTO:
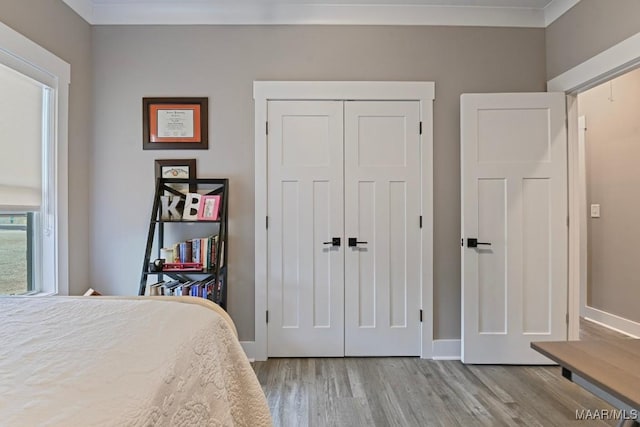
(257, 12)
(556, 9)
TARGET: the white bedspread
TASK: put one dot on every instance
(119, 362)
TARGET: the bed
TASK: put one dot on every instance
(111, 361)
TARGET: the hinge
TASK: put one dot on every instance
(267, 316)
(461, 242)
(420, 128)
(567, 220)
(567, 318)
(266, 222)
(266, 128)
(420, 221)
(420, 315)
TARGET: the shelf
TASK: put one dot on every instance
(214, 277)
(210, 272)
(161, 221)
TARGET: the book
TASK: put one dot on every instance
(214, 250)
(186, 251)
(195, 251)
(182, 266)
(203, 252)
(155, 288)
(176, 252)
(209, 251)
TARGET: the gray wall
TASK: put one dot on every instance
(57, 28)
(587, 29)
(222, 63)
(613, 155)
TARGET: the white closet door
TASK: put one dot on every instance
(305, 207)
(382, 208)
(514, 202)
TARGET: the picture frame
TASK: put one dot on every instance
(209, 208)
(177, 168)
(175, 123)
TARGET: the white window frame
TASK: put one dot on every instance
(32, 60)
(264, 91)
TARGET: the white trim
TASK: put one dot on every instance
(556, 9)
(573, 249)
(602, 67)
(278, 13)
(32, 55)
(611, 321)
(31, 59)
(614, 61)
(582, 211)
(446, 349)
(260, 249)
(424, 92)
(249, 348)
(426, 139)
(404, 91)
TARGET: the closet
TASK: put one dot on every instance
(343, 239)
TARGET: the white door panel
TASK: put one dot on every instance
(371, 194)
(514, 196)
(305, 208)
(382, 208)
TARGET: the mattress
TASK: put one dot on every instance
(94, 361)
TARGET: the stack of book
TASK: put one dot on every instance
(199, 250)
(208, 289)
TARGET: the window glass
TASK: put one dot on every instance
(14, 254)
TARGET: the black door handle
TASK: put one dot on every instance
(353, 242)
(335, 241)
(473, 243)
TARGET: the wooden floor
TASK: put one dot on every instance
(400, 391)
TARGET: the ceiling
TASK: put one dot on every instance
(501, 13)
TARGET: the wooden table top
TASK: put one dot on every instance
(612, 364)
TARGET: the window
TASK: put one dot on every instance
(24, 116)
(17, 261)
(33, 168)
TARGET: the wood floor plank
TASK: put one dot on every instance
(408, 392)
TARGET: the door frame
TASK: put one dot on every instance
(616, 60)
(264, 91)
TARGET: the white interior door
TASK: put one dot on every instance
(382, 210)
(305, 208)
(514, 196)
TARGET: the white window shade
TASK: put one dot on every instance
(21, 163)
(19, 199)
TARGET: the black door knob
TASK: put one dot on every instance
(353, 242)
(335, 241)
(473, 243)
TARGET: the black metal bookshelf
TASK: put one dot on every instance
(218, 271)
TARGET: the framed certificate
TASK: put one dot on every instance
(177, 168)
(175, 123)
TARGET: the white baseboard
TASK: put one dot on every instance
(442, 349)
(249, 348)
(446, 349)
(611, 321)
